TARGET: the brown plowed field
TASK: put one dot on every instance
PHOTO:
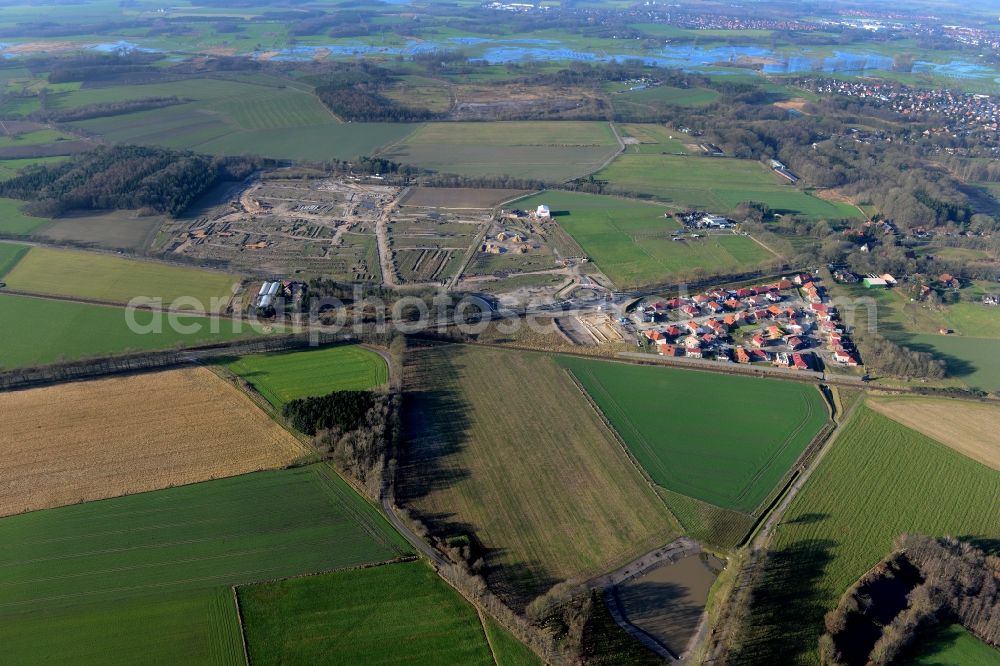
(967, 427)
(91, 440)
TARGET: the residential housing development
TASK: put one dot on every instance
(789, 323)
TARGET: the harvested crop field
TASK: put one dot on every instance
(393, 614)
(967, 427)
(503, 445)
(109, 278)
(284, 376)
(90, 440)
(459, 197)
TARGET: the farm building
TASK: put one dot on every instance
(543, 212)
(875, 282)
(266, 295)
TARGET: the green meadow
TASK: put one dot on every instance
(250, 115)
(107, 277)
(10, 255)
(716, 184)
(878, 480)
(951, 645)
(118, 580)
(284, 376)
(37, 331)
(726, 440)
(393, 614)
(14, 222)
(550, 151)
(630, 241)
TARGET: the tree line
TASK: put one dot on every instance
(924, 582)
(124, 177)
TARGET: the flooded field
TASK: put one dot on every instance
(667, 602)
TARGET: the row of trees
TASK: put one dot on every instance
(105, 109)
(884, 357)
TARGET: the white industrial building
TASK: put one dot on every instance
(543, 212)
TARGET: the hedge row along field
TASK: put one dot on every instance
(878, 480)
(109, 278)
(37, 331)
(631, 240)
(122, 579)
(393, 614)
(722, 439)
(503, 444)
(285, 376)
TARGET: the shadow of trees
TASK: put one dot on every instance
(785, 618)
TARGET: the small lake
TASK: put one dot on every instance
(668, 601)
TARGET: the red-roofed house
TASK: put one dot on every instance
(799, 361)
(654, 335)
(742, 356)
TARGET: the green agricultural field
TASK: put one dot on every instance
(10, 168)
(259, 115)
(393, 614)
(879, 480)
(9, 256)
(37, 331)
(507, 650)
(35, 138)
(128, 577)
(974, 319)
(652, 139)
(284, 376)
(671, 96)
(503, 445)
(110, 278)
(650, 101)
(551, 151)
(974, 361)
(951, 645)
(630, 241)
(14, 222)
(716, 184)
(722, 439)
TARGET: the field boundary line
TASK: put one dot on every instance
(760, 535)
(323, 572)
(239, 618)
(624, 447)
(489, 643)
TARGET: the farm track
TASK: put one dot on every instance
(761, 540)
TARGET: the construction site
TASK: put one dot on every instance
(288, 226)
